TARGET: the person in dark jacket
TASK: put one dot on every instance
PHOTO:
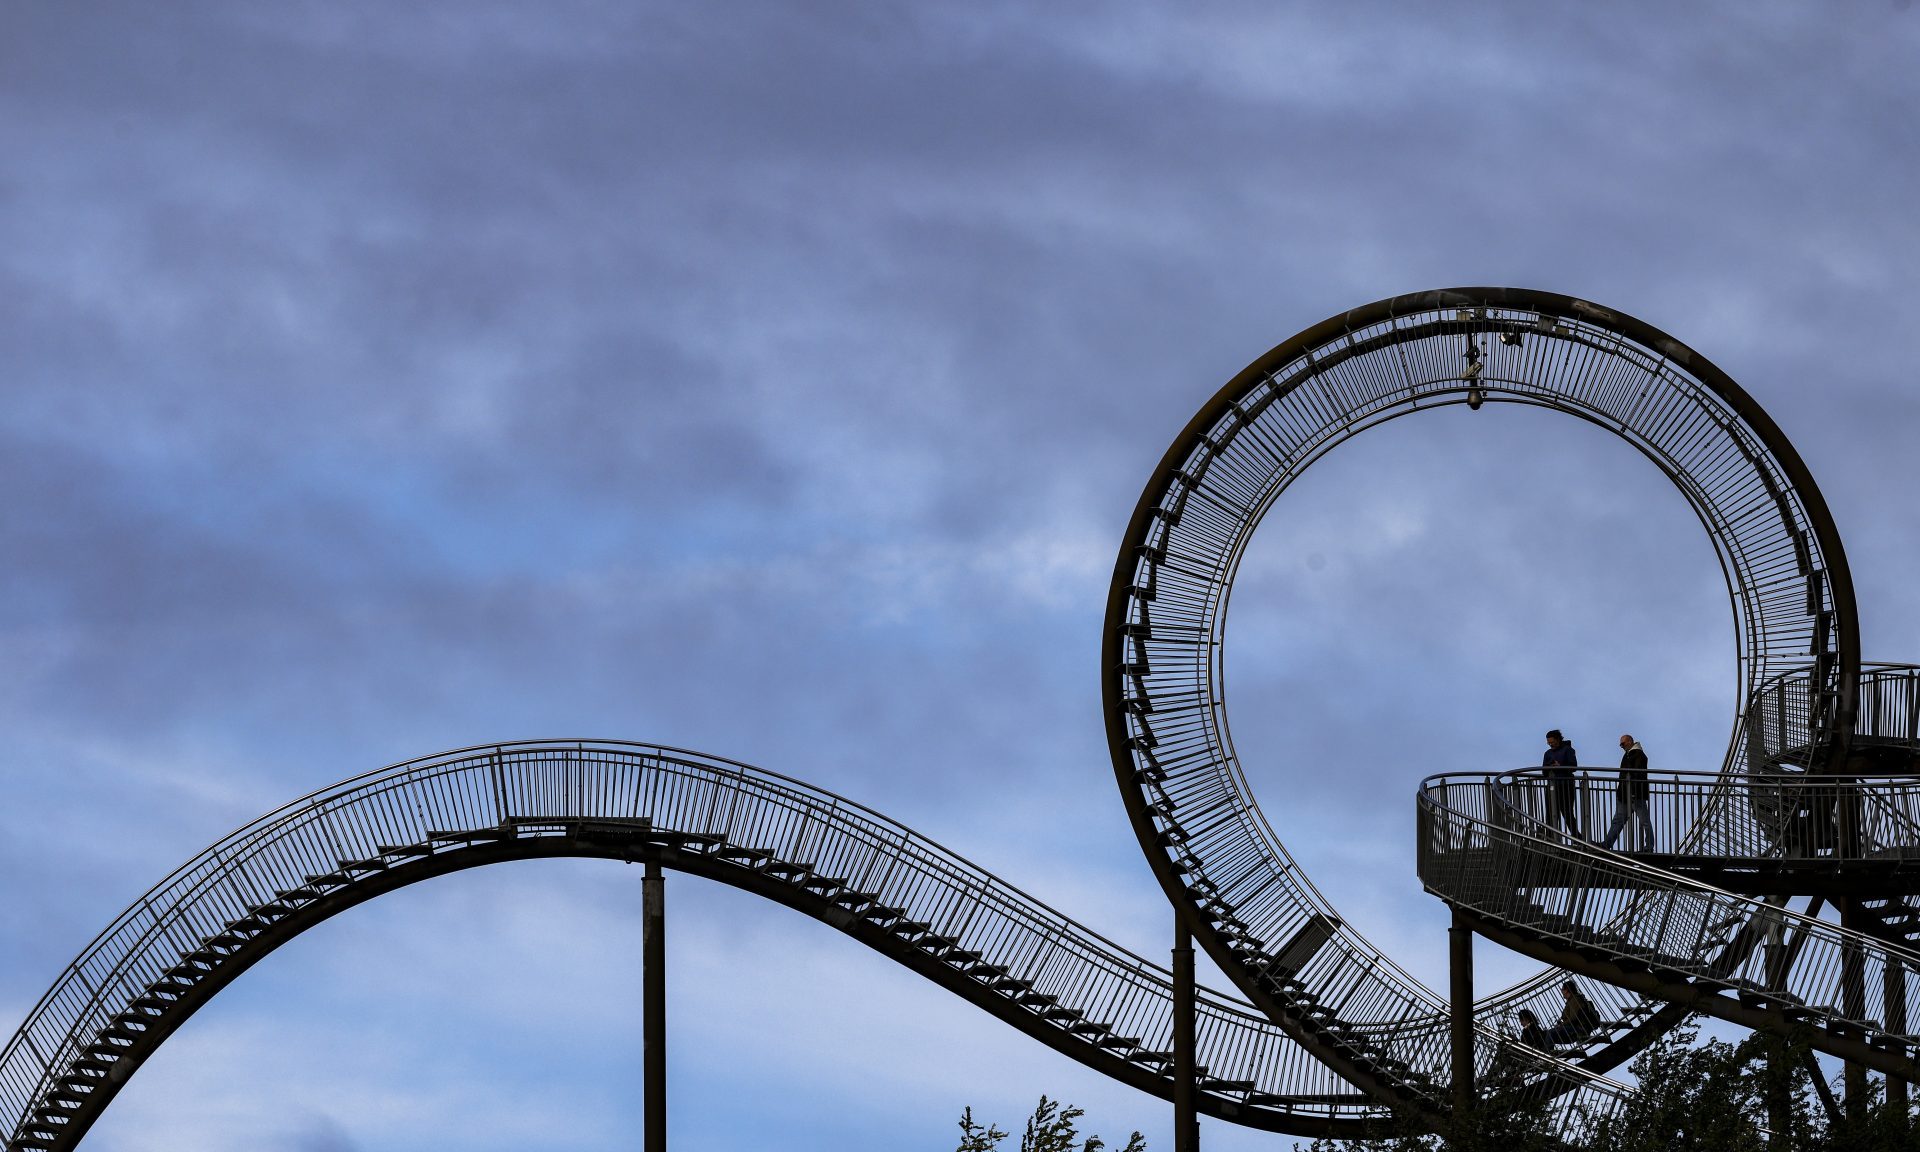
(1578, 1017)
(1631, 798)
(1531, 1034)
(1563, 796)
(1510, 1066)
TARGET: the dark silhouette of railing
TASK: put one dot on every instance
(873, 878)
(1763, 825)
(1886, 728)
(1486, 848)
(1252, 907)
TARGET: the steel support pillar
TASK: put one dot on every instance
(1894, 993)
(1460, 989)
(1186, 1119)
(653, 968)
(1853, 1001)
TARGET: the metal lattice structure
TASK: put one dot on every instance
(1333, 1036)
(879, 882)
(1215, 854)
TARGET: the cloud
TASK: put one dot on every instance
(779, 384)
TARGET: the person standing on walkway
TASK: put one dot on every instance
(1632, 796)
(1563, 796)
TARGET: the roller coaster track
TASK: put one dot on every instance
(887, 887)
(1332, 1036)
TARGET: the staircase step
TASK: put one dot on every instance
(78, 1082)
(467, 836)
(404, 851)
(740, 852)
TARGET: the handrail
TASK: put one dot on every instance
(1836, 818)
(322, 845)
(1780, 716)
(1510, 867)
(1163, 668)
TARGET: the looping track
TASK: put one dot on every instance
(1337, 1035)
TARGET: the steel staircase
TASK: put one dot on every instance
(871, 878)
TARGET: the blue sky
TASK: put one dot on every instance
(776, 380)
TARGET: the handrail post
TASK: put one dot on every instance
(1460, 985)
(1186, 1120)
(653, 968)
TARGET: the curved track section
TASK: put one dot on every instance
(879, 882)
(1486, 849)
(1218, 859)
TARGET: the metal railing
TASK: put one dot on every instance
(1165, 629)
(1773, 816)
(1482, 850)
(321, 843)
(1781, 716)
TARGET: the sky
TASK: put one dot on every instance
(776, 380)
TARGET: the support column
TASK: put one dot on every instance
(653, 1003)
(1460, 988)
(1894, 992)
(1853, 1001)
(1186, 1119)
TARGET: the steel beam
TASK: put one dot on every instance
(1186, 1123)
(653, 966)
(1460, 985)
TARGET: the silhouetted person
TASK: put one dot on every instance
(1531, 1034)
(1631, 798)
(1578, 1016)
(1563, 797)
(1510, 1066)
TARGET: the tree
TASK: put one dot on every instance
(1755, 1096)
(1051, 1128)
(974, 1138)
(1709, 1097)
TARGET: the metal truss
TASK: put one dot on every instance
(1216, 856)
(886, 886)
(1485, 848)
